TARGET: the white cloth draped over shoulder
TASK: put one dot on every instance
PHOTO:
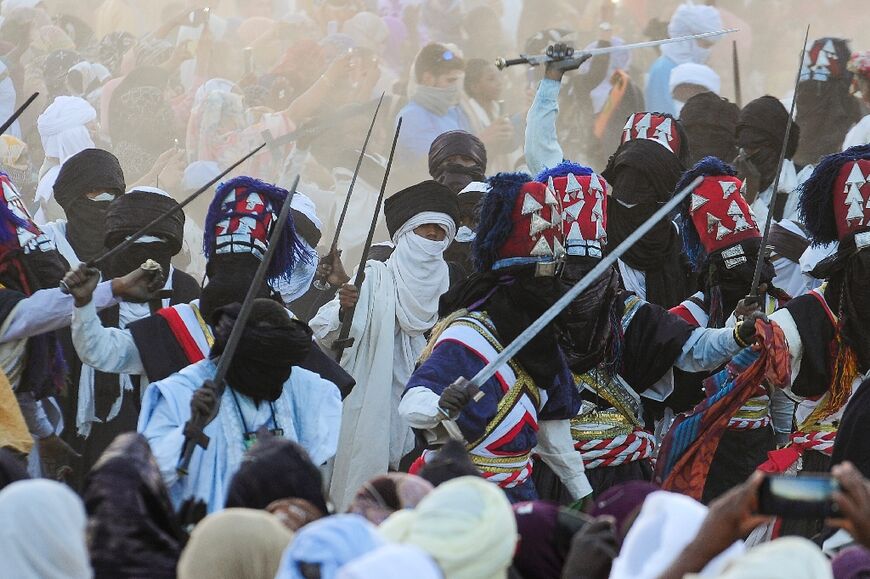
(398, 302)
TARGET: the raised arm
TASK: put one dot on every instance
(48, 310)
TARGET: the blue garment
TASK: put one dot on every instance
(452, 359)
(330, 543)
(542, 143)
(308, 411)
(420, 127)
(657, 96)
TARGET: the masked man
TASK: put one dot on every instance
(238, 225)
(265, 390)
(395, 307)
(458, 160)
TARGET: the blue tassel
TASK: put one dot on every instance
(290, 247)
(816, 205)
(706, 167)
(496, 223)
(561, 170)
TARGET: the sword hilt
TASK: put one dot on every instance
(503, 63)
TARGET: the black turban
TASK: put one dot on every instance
(271, 344)
(425, 196)
(711, 123)
(644, 175)
(762, 124)
(454, 175)
(643, 171)
(89, 170)
(85, 172)
(129, 213)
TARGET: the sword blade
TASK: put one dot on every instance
(18, 113)
(195, 425)
(533, 330)
(133, 238)
(537, 59)
(756, 275)
(343, 337)
(362, 155)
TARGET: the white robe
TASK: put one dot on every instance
(374, 437)
(308, 411)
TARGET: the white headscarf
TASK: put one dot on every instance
(62, 127)
(666, 524)
(691, 19)
(421, 274)
(392, 562)
(304, 269)
(693, 73)
(785, 558)
(42, 532)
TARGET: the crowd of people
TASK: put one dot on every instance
(334, 379)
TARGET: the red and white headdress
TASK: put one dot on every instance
(583, 195)
(716, 217)
(520, 223)
(658, 127)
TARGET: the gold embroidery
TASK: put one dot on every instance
(522, 385)
(600, 425)
(209, 338)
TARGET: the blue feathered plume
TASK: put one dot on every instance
(9, 222)
(290, 247)
(706, 167)
(561, 170)
(496, 224)
(816, 205)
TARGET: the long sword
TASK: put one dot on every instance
(738, 90)
(318, 283)
(344, 340)
(162, 217)
(536, 59)
(193, 430)
(535, 328)
(18, 113)
(756, 276)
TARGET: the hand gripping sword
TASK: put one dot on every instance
(580, 57)
(344, 340)
(194, 434)
(548, 316)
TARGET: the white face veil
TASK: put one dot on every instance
(421, 274)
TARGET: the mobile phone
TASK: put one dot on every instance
(798, 497)
(198, 17)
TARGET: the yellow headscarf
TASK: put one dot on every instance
(466, 525)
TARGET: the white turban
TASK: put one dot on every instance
(62, 127)
(699, 74)
(692, 19)
(367, 30)
(667, 522)
(198, 174)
